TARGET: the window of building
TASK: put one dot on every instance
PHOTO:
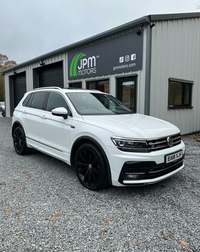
(126, 92)
(75, 85)
(102, 85)
(180, 94)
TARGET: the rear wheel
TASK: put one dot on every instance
(90, 167)
(19, 141)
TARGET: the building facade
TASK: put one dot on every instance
(151, 64)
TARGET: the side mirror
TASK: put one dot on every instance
(61, 111)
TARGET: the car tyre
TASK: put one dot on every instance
(19, 141)
(90, 167)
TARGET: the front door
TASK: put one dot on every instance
(126, 92)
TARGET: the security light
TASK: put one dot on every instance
(41, 63)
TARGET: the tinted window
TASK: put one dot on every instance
(180, 94)
(38, 100)
(75, 85)
(102, 85)
(55, 100)
(26, 101)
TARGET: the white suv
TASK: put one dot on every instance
(101, 138)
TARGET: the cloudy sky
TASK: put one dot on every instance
(30, 28)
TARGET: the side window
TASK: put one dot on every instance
(180, 94)
(38, 100)
(55, 100)
(26, 101)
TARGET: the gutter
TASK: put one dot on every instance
(148, 67)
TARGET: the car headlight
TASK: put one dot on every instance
(130, 145)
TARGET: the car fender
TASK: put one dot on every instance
(83, 139)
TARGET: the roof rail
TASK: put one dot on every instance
(48, 88)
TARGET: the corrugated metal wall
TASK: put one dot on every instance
(176, 54)
(29, 77)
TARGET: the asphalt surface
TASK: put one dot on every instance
(43, 207)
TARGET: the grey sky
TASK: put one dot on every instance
(29, 28)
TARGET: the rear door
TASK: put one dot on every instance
(32, 110)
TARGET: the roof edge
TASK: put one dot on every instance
(174, 16)
(144, 19)
(81, 42)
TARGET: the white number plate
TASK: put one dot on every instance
(173, 157)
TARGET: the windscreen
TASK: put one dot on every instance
(97, 104)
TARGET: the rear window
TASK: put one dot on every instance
(37, 100)
(26, 101)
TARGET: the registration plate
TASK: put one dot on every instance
(174, 156)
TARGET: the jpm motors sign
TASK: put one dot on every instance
(121, 54)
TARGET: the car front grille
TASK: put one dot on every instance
(165, 142)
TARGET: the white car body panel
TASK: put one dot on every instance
(135, 125)
(55, 136)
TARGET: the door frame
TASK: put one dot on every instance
(119, 88)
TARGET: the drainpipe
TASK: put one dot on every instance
(148, 68)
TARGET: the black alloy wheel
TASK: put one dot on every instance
(90, 167)
(19, 141)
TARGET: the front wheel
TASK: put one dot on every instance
(19, 141)
(90, 167)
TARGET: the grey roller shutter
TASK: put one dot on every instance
(19, 87)
(51, 75)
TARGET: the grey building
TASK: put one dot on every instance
(151, 64)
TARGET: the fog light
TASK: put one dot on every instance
(131, 176)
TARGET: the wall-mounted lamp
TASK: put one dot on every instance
(14, 72)
(152, 25)
(41, 62)
(140, 30)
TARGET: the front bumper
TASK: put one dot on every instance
(148, 172)
(144, 168)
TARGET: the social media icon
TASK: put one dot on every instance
(121, 59)
(127, 58)
(133, 56)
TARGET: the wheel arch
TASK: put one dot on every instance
(15, 125)
(87, 139)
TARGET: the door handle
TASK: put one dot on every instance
(43, 117)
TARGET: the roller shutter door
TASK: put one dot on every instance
(51, 75)
(19, 87)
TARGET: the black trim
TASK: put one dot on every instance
(149, 170)
(44, 144)
(179, 107)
